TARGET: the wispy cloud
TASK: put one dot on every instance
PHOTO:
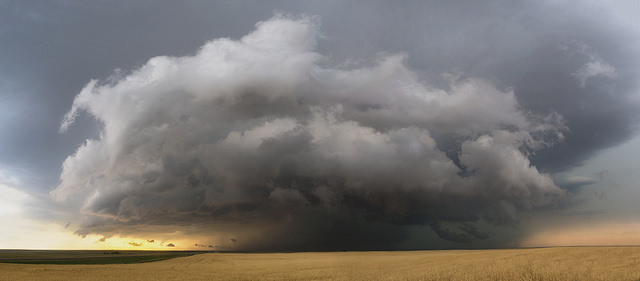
(595, 67)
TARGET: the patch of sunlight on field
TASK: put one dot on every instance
(595, 263)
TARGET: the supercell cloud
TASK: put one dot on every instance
(264, 143)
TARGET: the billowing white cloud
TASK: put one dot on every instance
(265, 129)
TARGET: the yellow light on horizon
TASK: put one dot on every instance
(21, 232)
(592, 234)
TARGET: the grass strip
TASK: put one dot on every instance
(96, 260)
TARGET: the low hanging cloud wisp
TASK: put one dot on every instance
(265, 141)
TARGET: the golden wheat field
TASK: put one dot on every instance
(584, 263)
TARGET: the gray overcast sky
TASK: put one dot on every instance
(487, 111)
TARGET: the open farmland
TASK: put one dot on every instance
(584, 263)
(87, 257)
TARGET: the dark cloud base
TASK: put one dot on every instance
(273, 146)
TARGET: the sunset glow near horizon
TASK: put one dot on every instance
(314, 126)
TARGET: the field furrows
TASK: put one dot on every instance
(610, 263)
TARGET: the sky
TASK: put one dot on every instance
(318, 125)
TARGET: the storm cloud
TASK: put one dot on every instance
(265, 139)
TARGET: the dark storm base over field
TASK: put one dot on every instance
(316, 126)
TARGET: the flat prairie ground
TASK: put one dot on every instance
(579, 263)
(87, 257)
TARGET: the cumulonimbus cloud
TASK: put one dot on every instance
(264, 135)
